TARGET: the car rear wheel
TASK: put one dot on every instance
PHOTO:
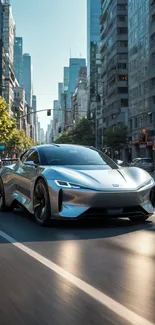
(41, 204)
(139, 218)
(3, 207)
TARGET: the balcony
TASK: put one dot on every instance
(103, 17)
(122, 37)
(122, 84)
(122, 49)
(122, 2)
(121, 23)
(103, 70)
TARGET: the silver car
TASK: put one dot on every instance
(72, 182)
(144, 163)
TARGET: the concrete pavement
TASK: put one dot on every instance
(76, 273)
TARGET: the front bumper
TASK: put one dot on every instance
(77, 203)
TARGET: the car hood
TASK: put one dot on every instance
(119, 179)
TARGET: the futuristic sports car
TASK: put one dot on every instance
(70, 182)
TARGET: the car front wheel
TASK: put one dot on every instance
(41, 203)
(3, 207)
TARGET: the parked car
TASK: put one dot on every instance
(144, 163)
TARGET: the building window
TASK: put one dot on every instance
(122, 7)
(122, 66)
(122, 18)
(122, 90)
(124, 102)
(123, 43)
(135, 122)
(123, 78)
(122, 30)
(123, 56)
(153, 58)
(153, 82)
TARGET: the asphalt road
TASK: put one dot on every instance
(76, 274)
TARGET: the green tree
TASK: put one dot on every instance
(117, 138)
(66, 137)
(19, 142)
(82, 134)
(7, 123)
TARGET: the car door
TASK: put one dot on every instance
(27, 172)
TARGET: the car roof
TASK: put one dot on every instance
(144, 158)
(64, 145)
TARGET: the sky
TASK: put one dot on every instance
(51, 29)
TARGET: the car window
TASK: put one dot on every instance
(146, 160)
(33, 156)
(72, 155)
(24, 156)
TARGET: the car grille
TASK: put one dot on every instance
(115, 212)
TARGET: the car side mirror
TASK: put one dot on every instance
(119, 162)
(30, 163)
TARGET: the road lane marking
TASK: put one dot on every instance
(88, 289)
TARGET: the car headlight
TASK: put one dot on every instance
(148, 183)
(66, 184)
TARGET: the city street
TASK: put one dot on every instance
(100, 273)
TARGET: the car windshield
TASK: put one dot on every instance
(69, 155)
(146, 160)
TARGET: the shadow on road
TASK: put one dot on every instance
(21, 225)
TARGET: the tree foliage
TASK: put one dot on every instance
(117, 138)
(82, 134)
(19, 142)
(7, 123)
(14, 139)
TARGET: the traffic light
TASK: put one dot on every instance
(49, 112)
(143, 136)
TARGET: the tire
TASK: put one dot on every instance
(3, 207)
(152, 196)
(139, 218)
(41, 204)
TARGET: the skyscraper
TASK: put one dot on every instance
(34, 106)
(39, 133)
(66, 78)
(8, 44)
(114, 58)
(141, 53)
(55, 118)
(93, 28)
(1, 52)
(93, 61)
(27, 84)
(74, 66)
(27, 78)
(18, 59)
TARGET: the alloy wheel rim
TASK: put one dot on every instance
(40, 203)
